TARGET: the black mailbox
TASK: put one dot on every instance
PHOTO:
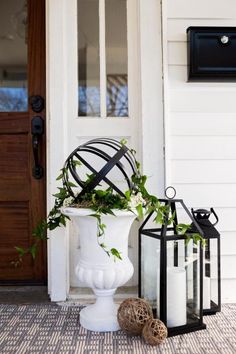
(211, 53)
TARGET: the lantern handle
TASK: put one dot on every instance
(216, 216)
(212, 211)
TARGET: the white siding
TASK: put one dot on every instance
(201, 127)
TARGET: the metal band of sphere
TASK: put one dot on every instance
(94, 147)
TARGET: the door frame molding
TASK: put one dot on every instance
(57, 80)
(61, 84)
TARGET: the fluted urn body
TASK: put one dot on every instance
(99, 271)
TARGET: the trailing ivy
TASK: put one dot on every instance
(102, 202)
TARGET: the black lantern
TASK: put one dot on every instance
(211, 261)
(171, 270)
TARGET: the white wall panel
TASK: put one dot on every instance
(200, 195)
(204, 171)
(228, 267)
(227, 221)
(210, 9)
(228, 290)
(197, 147)
(178, 78)
(202, 100)
(211, 126)
(228, 244)
(177, 52)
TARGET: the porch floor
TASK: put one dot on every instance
(54, 328)
(20, 295)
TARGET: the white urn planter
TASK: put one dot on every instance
(99, 271)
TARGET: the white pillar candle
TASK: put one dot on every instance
(176, 297)
(206, 293)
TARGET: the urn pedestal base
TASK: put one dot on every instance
(101, 316)
(98, 271)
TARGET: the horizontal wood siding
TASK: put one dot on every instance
(201, 128)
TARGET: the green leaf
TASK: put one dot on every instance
(71, 184)
(182, 228)
(60, 177)
(196, 237)
(115, 253)
(40, 231)
(76, 163)
(137, 164)
(171, 219)
(159, 217)
(63, 220)
(21, 251)
(188, 238)
(123, 141)
(102, 245)
(139, 209)
(33, 250)
(94, 198)
(98, 217)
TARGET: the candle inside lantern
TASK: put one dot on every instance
(176, 297)
(206, 293)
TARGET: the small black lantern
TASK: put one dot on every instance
(171, 270)
(211, 261)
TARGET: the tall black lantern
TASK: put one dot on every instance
(211, 261)
(171, 270)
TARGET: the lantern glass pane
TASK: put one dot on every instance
(192, 266)
(210, 275)
(150, 270)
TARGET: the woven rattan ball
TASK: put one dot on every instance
(154, 332)
(133, 314)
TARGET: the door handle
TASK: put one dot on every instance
(37, 130)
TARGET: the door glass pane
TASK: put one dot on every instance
(89, 63)
(116, 58)
(13, 56)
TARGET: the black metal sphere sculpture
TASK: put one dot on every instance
(115, 155)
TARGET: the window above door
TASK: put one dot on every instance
(102, 58)
(13, 56)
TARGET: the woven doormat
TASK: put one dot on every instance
(50, 329)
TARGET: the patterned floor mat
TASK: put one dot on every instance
(53, 329)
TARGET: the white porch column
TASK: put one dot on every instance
(152, 139)
(61, 67)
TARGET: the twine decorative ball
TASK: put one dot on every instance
(154, 332)
(133, 314)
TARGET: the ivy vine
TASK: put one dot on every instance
(102, 202)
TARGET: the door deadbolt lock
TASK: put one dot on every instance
(37, 103)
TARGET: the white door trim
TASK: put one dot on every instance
(152, 111)
(61, 63)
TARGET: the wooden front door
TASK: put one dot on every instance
(22, 185)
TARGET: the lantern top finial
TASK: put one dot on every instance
(170, 192)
